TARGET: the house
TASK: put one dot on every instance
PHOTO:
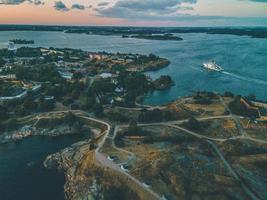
(97, 56)
(65, 74)
(119, 99)
(49, 98)
(8, 77)
(119, 90)
(106, 75)
(12, 47)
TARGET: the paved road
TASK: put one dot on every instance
(107, 163)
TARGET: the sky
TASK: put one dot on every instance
(135, 12)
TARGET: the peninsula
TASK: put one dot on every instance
(132, 151)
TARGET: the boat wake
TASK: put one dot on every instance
(257, 81)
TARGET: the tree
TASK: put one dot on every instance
(29, 104)
(229, 94)
(2, 127)
(150, 115)
(163, 82)
(3, 113)
(77, 76)
(193, 124)
(238, 107)
(133, 129)
(70, 119)
(12, 124)
(152, 57)
(2, 62)
(251, 97)
(45, 105)
(78, 126)
(98, 109)
(87, 102)
(117, 116)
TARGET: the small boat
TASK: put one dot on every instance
(212, 66)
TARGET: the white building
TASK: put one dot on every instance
(106, 75)
(11, 46)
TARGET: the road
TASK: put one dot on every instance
(173, 124)
(117, 128)
(234, 117)
(109, 164)
(232, 171)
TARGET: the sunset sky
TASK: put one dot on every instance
(135, 12)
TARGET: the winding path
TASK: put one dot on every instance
(173, 124)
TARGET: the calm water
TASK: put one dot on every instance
(22, 175)
(243, 58)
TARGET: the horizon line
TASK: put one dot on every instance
(134, 26)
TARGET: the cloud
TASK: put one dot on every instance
(103, 4)
(12, 2)
(59, 5)
(17, 2)
(78, 7)
(149, 9)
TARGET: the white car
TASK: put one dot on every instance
(124, 169)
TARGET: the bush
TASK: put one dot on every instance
(150, 116)
(12, 124)
(117, 116)
(239, 108)
(195, 125)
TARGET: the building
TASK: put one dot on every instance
(106, 75)
(8, 77)
(49, 98)
(97, 56)
(11, 46)
(65, 74)
(19, 96)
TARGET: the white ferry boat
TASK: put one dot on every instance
(212, 66)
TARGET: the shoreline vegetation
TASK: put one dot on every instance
(70, 78)
(254, 32)
(19, 41)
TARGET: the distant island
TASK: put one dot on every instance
(19, 41)
(254, 32)
(167, 36)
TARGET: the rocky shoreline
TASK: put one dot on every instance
(69, 161)
(29, 131)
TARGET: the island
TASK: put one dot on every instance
(166, 36)
(20, 41)
(163, 82)
(254, 32)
